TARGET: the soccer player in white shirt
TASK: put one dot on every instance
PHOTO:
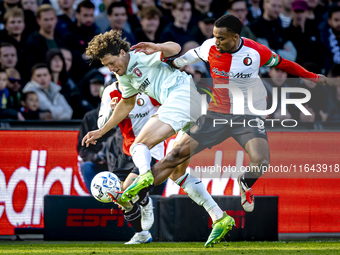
(144, 71)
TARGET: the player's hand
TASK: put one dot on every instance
(91, 137)
(323, 80)
(113, 103)
(146, 47)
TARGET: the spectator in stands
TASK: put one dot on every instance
(7, 5)
(102, 20)
(5, 111)
(30, 107)
(30, 5)
(39, 42)
(305, 38)
(118, 16)
(269, 31)
(255, 10)
(138, 5)
(67, 17)
(239, 9)
(14, 88)
(178, 31)
(277, 79)
(330, 37)
(317, 105)
(94, 157)
(14, 34)
(80, 34)
(88, 97)
(200, 7)
(205, 27)
(56, 63)
(312, 4)
(67, 54)
(149, 20)
(333, 106)
(8, 55)
(286, 13)
(165, 6)
(48, 93)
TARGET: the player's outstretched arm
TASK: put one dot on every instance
(297, 70)
(168, 48)
(122, 109)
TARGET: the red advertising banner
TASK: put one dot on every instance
(32, 165)
(36, 163)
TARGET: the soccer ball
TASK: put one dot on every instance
(102, 183)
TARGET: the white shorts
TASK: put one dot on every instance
(182, 106)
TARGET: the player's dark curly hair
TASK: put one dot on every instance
(230, 22)
(109, 43)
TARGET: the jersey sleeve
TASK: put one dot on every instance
(203, 50)
(267, 57)
(105, 111)
(128, 90)
(152, 59)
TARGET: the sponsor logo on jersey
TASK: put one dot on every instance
(144, 85)
(133, 66)
(217, 56)
(137, 72)
(230, 74)
(247, 61)
(139, 115)
(140, 101)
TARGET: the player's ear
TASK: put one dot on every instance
(236, 37)
(122, 53)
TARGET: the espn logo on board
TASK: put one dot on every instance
(94, 217)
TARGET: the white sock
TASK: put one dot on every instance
(197, 192)
(141, 156)
(143, 233)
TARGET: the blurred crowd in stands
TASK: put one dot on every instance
(44, 73)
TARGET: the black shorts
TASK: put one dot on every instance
(214, 128)
(125, 166)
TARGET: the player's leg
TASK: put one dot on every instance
(143, 199)
(254, 141)
(154, 132)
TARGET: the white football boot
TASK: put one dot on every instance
(247, 197)
(147, 215)
(139, 238)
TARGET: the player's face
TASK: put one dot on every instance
(32, 102)
(3, 80)
(8, 56)
(117, 64)
(47, 21)
(42, 76)
(225, 41)
(15, 26)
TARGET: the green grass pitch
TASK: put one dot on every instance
(230, 248)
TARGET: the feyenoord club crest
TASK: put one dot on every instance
(140, 101)
(137, 72)
(247, 61)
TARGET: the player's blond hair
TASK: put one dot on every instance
(109, 43)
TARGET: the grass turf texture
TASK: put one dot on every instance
(230, 248)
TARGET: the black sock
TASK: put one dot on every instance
(134, 218)
(250, 178)
(143, 198)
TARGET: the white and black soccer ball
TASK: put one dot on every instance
(102, 183)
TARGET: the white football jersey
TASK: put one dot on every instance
(131, 126)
